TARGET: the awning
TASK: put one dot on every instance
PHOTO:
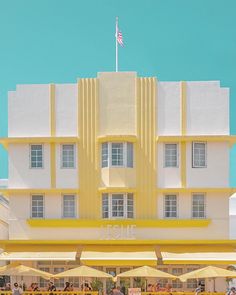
(16, 256)
(199, 258)
(118, 258)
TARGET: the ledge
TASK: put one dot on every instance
(159, 223)
(117, 138)
(196, 189)
(59, 191)
(228, 243)
(19, 191)
(189, 138)
(48, 139)
(117, 189)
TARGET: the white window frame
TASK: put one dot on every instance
(31, 205)
(61, 157)
(204, 195)
(193, 158)
(177, 155)
(76, 206)
(107, 160)
(125, 200)
(125, 149)
(124, 154)
(177, 206)
(30, 166)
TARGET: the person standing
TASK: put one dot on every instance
(17, 290)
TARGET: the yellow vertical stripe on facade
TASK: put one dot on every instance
(146, 148)
(183, 164)
(88, 157)
(53, 164)
(53, 133)
(183, 132)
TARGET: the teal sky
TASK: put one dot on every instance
(44, 41)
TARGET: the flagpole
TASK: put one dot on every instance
(116, 44)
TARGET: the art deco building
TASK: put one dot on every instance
(119, 171)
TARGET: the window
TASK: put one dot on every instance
(69, 206)
(199, 154)
(37, 206)
(105, 206)
(105, 157)
(117, 206)
(36, 156)
(43, 283)
(117, 154)
(171, 155)
(163, 282)
(170, 206)
(191, 283)
(68, 156)
(59, 283)
(198, 205)
(54, 267)
(177, 283)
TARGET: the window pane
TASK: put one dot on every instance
(117, 205)
(37, 206)
(105, 206)
(117, 154)
(129, 155)
(36, 156)
(198, 206)
(130, 206)
(69, 206)
(170, 206)
(105, 155)
(68, 156)
(171, 155)
(199, 154)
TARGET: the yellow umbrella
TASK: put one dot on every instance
(83, 272)
(16, 269)
(208, 272)
(146, 272)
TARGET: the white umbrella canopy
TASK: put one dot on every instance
(146, 272)
(208, 272)
(83, 272)
(16, 269)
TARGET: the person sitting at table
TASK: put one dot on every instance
(36, 287)
(149, 288)
(168, 288)
(67, 286)
(51, 287)
(7, 287)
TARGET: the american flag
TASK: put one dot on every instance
(120, 38)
